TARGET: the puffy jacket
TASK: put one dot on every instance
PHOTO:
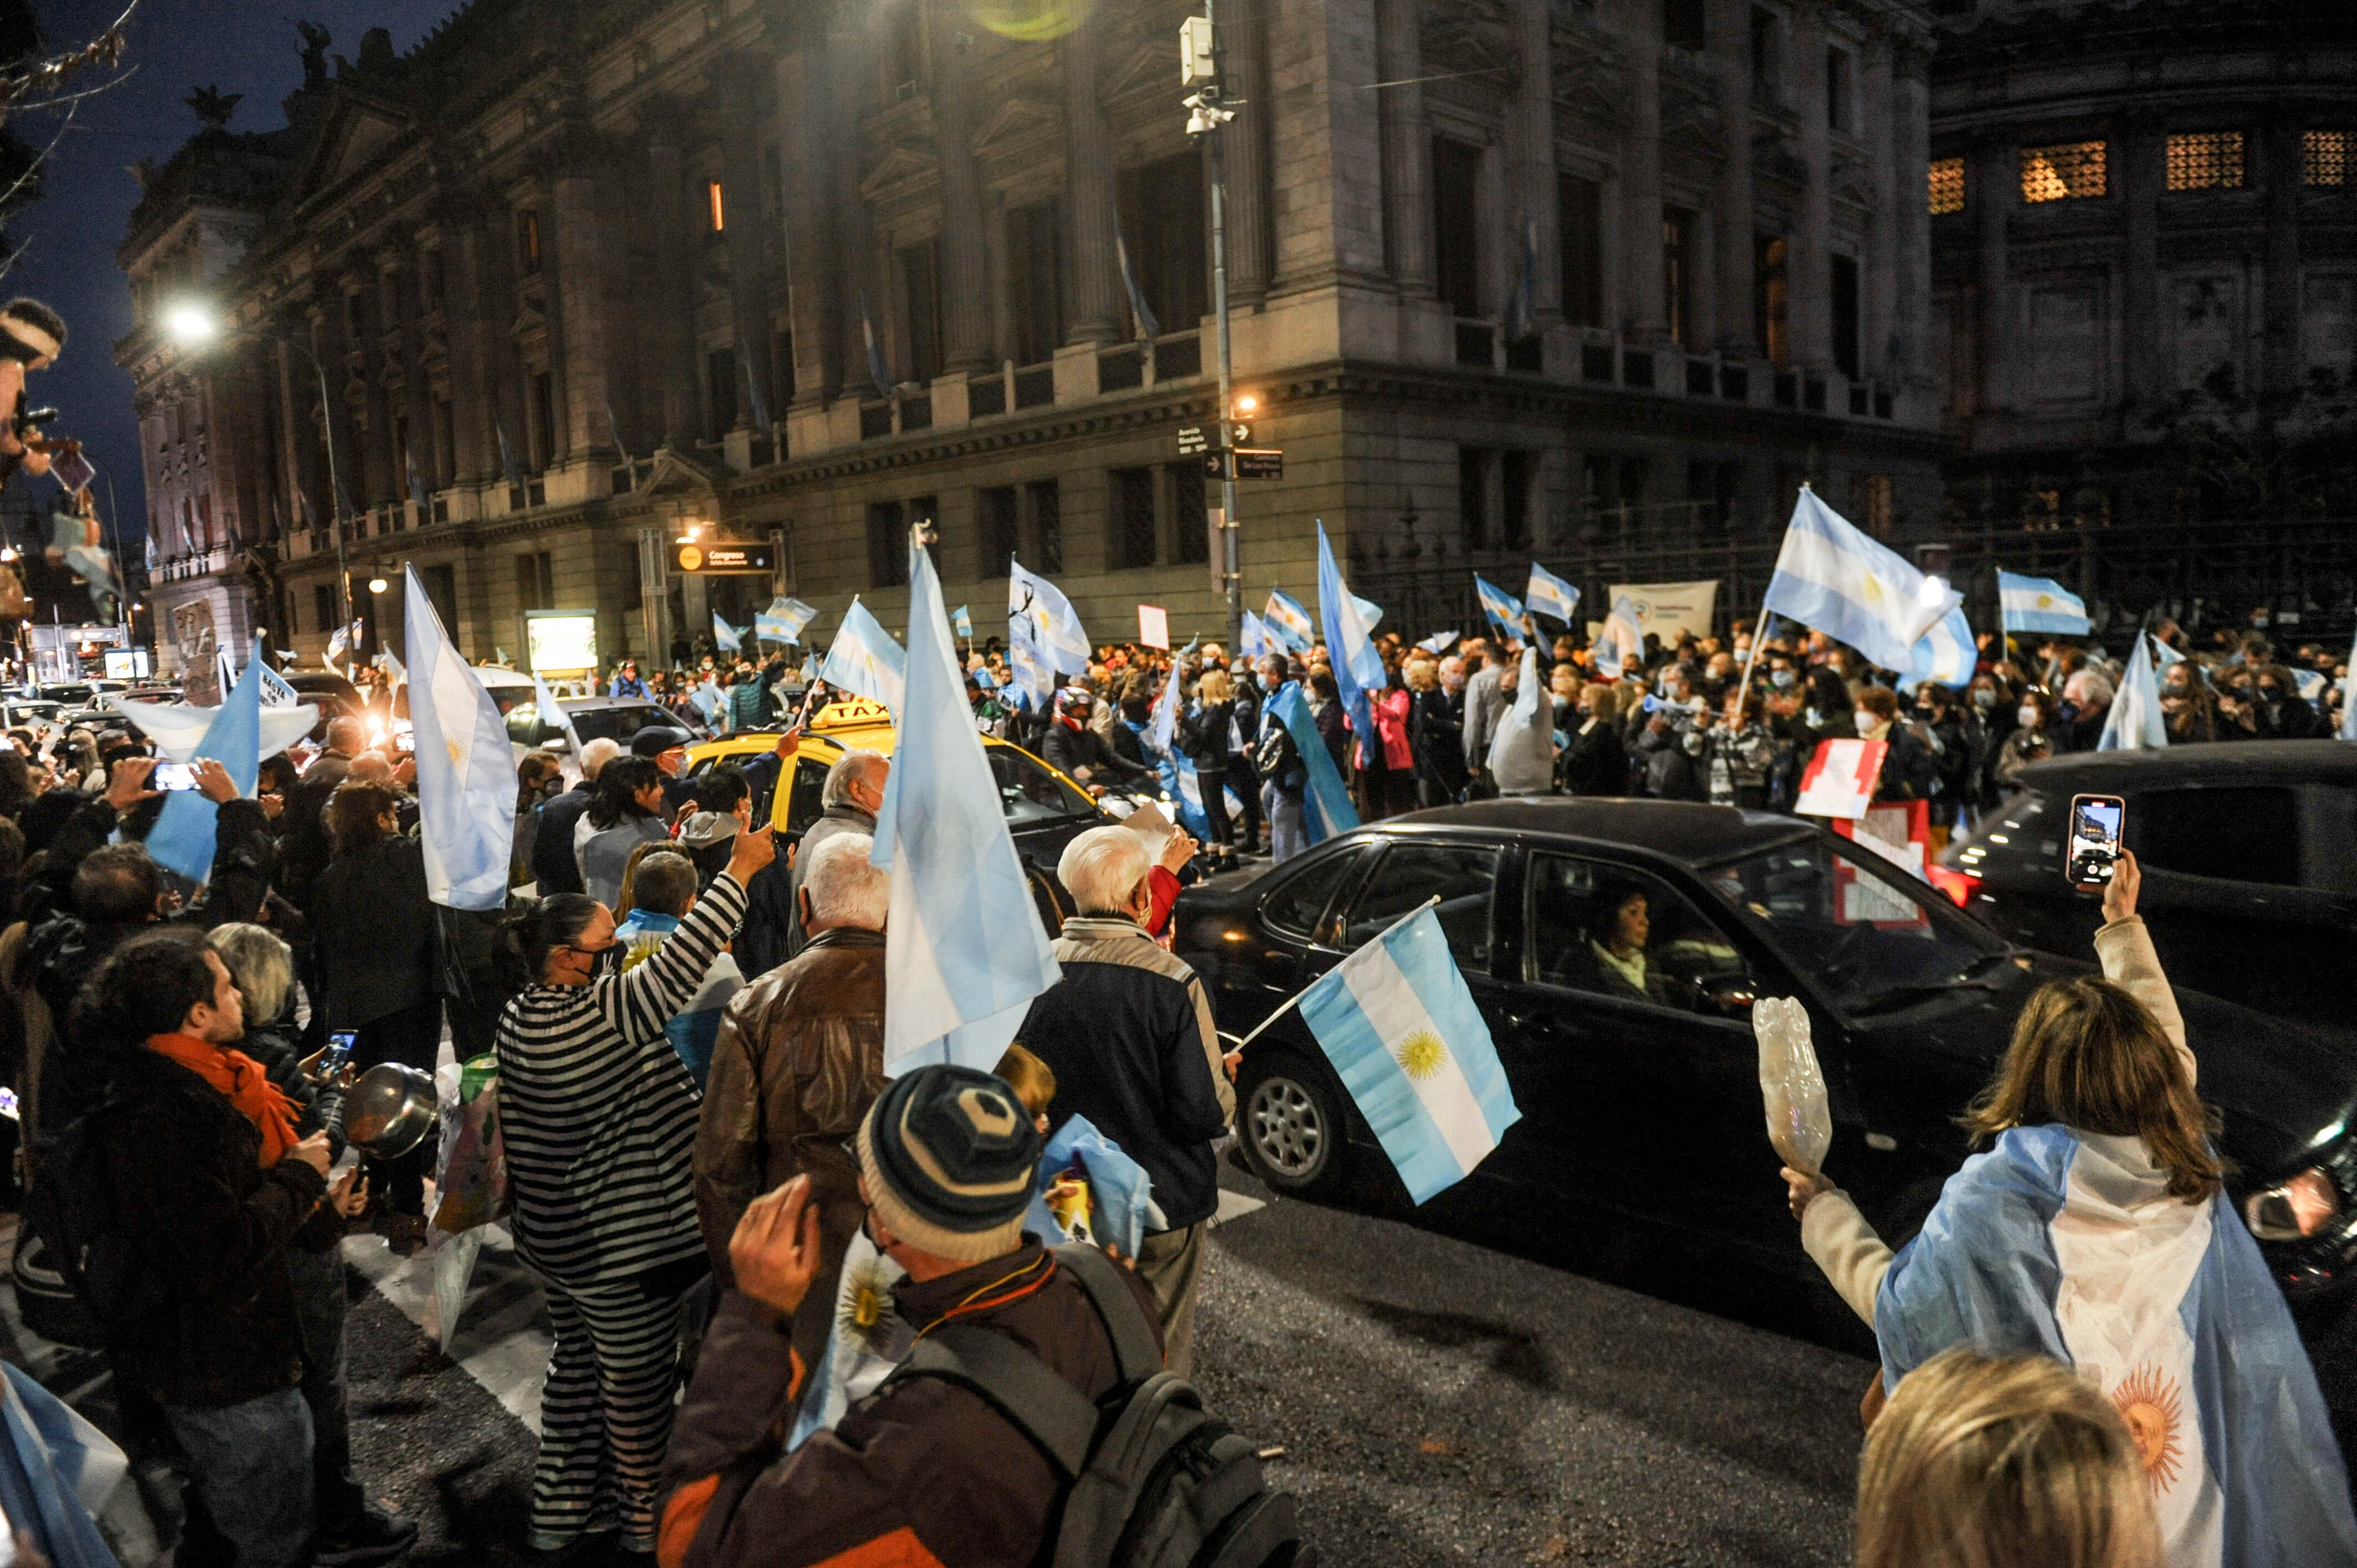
(748, 705)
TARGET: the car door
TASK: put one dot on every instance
(1631, 1024)
(1265, 968)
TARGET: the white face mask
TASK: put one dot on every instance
(1866, 721)
(2029, 717)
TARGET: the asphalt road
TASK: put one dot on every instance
(1437, 1401)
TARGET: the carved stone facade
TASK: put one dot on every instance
(2143, 211)
(579, 272)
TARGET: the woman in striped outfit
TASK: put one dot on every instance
(599, 1117)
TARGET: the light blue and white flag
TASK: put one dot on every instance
(59, 1470)
(1165, 711)
(1357, 666)
(863, 658)
(1945, 657)
(708, 702)
(1141, 314)
(184, 837)
(1369, 612)
(1254, 639)
(1325, 807)
(1550, 595)
(1505, 611)
(2349, 697)
(877, 376)
(551, 712)
(466, 769)
(868, 1341)
(390, 663)
(784, 619)
(1831, 577)
(963, 623)
(2041, 604)
(963, 950)
(1027, 675)
(2136, 722)
(2310, 684)
(2163, 656)
(1620, 645)
(2050, 1245)
(508, 465)
(340, 645)
(723, 636)
(1058, 637)
(1438, 643)
(1286, 620)
(1400, 1028)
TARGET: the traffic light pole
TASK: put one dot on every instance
(1212, 115)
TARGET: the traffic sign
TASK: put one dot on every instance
(1191, 440)
(723, 557)
(1260, 463)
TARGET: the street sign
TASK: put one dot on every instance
(723, 557)
(1191, 440)
(1260, 463)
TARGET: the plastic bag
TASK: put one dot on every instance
(472, 1183)
(1790, 1085)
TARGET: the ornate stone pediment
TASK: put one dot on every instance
(1017, 123)
(1853, 182)
(358, 132)
(673, 477)
(1474, 38)
(1590, 74)
(1692, 132)
(1147, 67)
(900, 170)
(1777, 168)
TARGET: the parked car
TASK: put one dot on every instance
(2249, 852)
(1640, 1091)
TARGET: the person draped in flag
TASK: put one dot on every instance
(2097, 1231)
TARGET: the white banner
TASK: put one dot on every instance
(1668, 609)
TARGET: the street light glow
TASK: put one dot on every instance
(1247, 404)
(191, 324)
(378, 584)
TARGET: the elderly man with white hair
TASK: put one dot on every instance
(798, 1059)
(852, 794)
(1128, 1032)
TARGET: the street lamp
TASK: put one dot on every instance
(192, 325)
(378, 584)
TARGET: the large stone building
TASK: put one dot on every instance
(1600, 281)
(2145, 257)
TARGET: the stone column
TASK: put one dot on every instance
(803, 89)
(669, 329)
(483, 279)
(1890, 147)
(1992, 187)
(2142, 168)
(1639, 185)
(582, 337)
(964, 271)
(1731, 229)
(1407, 148)
(741, 238)
(1244, 43)
(1531, 198)
(1910, 263)
(1810, 265)
(1093, 301)
(2277, 163)
(850, 73)
(463, 330)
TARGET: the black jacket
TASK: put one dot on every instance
(372, 933)
(1205, 736)
(215, 1230)
(1128, 1032)
(303, 847)
(1595, 763)
(1069, 750)
(1436, 733)
(552, 863)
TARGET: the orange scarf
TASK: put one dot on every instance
(241, 1080)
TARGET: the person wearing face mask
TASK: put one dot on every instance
(2281, 712)
(1595, 763)
(1907, 766)
(1988, 716)
(2186, 706)
(2032, 737)
(1736, 750)
(1436, 729)
(539, 780)
(598, 1112)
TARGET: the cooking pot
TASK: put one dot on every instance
(388, 1111)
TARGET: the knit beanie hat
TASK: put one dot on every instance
(950, 1156)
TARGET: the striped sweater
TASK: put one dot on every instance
(599, 1113)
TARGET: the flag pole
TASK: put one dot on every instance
(1295, 1000)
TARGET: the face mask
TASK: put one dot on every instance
(1984, 699)
(1784, 680)
(1865, 721)
(2029, 717)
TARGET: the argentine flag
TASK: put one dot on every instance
(549, 711)
(188, 831)
(1253, 640)
(864, 659)
(1437, 642)
(466, 768)
(1165, 711)
(1551, 594)
(1834, 578)
(783, 620)
(1401, 1028)
(963, 622)
(1504, 610)
(1058, 638)
(1358, 668)
(2134, 722)
(1945, 657)
(1325, 807)
(723, 636)
(2040, 603)
(2348, 698)
(1286, 621)
(963, 950)
(1027, 674)
(2067, 1244)
(1620, 646)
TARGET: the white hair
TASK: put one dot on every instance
(259, 965)
(2089, 689)
(1101, 868)
(854, 767)
(596, 753)
(843, 889)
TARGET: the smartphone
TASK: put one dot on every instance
(338, 1052)
(405, 741)
(2094, 842)
(8, 1106)
(172, 776)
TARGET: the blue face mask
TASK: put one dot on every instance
(1784, 680)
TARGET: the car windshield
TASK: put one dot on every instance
(1866, 930)
(617, 724)
(1030, 792)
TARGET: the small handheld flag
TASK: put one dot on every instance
(2041, 604)
(1504, 610)
(466, 768)
(723, 636)
(1945, 657)
(1621, 646)
(2136, 722)
(1286, 620)
(1438, 643)
(784, 619)
(1550, 595)
(1834, 578)
(963, 623)
(1058, 636)
(864, 659)
(1255, 639)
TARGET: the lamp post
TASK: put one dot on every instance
(191, 325)
(1200, 62)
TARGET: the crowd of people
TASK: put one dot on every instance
(686, 1024)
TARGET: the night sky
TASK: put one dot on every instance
(68, 236)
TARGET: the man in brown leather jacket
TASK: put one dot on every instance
(799, 1060)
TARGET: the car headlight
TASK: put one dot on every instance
(2295, 1210)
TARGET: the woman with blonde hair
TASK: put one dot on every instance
(2097, 1231)
(1993, 1462)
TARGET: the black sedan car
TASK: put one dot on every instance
(1616, 948)
(2249, 852)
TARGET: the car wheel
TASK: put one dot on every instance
(1292, 1129)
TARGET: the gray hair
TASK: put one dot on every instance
(1101, 868)
(259, 965)
(854, 767)
(596, 753)
(664, 883)
(843, 889)
(2088, 688)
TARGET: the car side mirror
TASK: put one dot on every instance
(1733, 998)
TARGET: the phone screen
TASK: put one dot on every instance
(338, 1052)
(174, 775)
(2094, 839)
(8, 1106)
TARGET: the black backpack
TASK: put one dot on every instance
(72, 1233)
(1154, 1480)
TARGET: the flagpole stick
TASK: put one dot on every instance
(1295, 1000)
(1758, 635)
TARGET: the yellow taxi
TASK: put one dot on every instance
(1045, 809)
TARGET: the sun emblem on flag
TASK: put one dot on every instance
(2150, 1404)
(867, 1298)
(1870, 586)
(2045, 601)
(1421, 1054)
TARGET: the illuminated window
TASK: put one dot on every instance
(1947, 186)
(2051, 174)
(2206, 160)
(720, 213)
(528, 240)
(2324, 157)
